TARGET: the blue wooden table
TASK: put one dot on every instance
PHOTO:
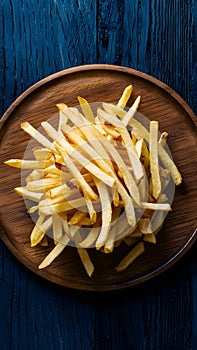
(37, 38)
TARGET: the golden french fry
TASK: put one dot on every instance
(29, 129)
(163, 138)
(36, 174)
(150, 238)
(86, 261)
(33, 196)
(77, 217)
(57, 228)
(169, 165)
(86, 109)
(139, 146)
(130, 257)
(109, 244)
(62, 120)
(55, 252)
(132, 111)
(39, 230)
(156, 206)
(144, 225)
(90, 238)
(106, 213)
(42, 154)
(27, 164)
(42, 185)
(154, 160)
(110, 130)
(125, 96)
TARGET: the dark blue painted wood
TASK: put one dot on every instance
(37, 38)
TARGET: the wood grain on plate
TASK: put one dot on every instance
(100, 83)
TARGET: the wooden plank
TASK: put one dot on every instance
(41, 39)
(194, 57)
(38, 38)
(159, 38)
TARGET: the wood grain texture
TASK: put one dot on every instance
(36, 39)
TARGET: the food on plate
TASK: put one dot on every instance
(98, 179)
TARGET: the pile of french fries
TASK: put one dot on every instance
(97, 180)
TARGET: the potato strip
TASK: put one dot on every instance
(131, 256)
(27, 164)
(22, 191)
(29, 129)
(125, 96)
(154, 161)
(39, 230)
(106, 213)
(86, 109)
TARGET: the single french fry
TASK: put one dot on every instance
(110, 130)
(144, 225)
(91, 210)
(22, 191)
(86, 109)
(106, 213)
(27, 164)
(109, 244)
(29, 129)
(132, 111)
(33, 209)
(125, 96)
(90, 239)
(57, 228)
(77, 217)
(62, 120)
(36, 174)
(55, 252)
(62, 207)
(42, 185)
(156, 206)
(130, 257)
(63, 189)
(138, 147)
(169, 165)
(150, 238)
(86, 261)
(163, 138)
(43, 154)
(154, 160)
(40, 230)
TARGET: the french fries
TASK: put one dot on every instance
(98, 182)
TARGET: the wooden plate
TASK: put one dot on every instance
(100, 83)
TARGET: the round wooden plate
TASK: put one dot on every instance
(100, 83)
